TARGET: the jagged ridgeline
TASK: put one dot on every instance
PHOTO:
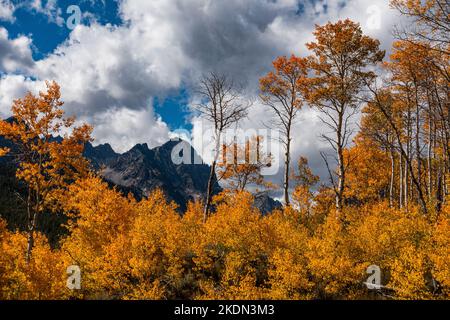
(141, 170)
(137, 171)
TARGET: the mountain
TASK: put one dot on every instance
(141, 170)
(265, 203)
(100, 155)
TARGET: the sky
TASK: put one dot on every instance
(129, 67)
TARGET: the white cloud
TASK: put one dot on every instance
(285, 34)
(109, 75)
(104, 68)
(7, 10)
(12, 87)
(15, 54)
(122, 127)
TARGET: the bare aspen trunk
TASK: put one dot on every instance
(30, 237)
(341, 165)
(408, 157)
(418, 151)
(391, 184)
(405, 183)
(445, 185)
(220, 107)
(212, 175)
(287, 161)
(406, 154)
(439, 190)
(209, 191)
(400, 182)
(341, 182)
(429, 157)
(406, 190)
(32, 222)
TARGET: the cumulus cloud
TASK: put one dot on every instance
(281, 33)
(100, 67)
(7, 10)
(109, 75)
(15, 54)
(122, 127)
(14, 86)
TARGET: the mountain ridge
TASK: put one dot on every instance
(141, 169)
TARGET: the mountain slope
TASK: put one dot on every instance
(141, 170)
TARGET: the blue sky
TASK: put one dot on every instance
(47, 34)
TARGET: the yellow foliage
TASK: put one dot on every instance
(336, 271)
(146, 250)
(440, 252)
(288, 264)
(408, 274)
(43, 277)
(98, 242)
(231, 250)
(365, 180)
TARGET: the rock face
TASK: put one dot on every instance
(100, 155)
(141, 170)
(265, 203)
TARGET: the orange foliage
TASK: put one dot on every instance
(368, 175)
(130, 249)
(46, 165)
(43, 277)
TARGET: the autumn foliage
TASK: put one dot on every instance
(389, 207)
(146, 250)
(46, 164)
